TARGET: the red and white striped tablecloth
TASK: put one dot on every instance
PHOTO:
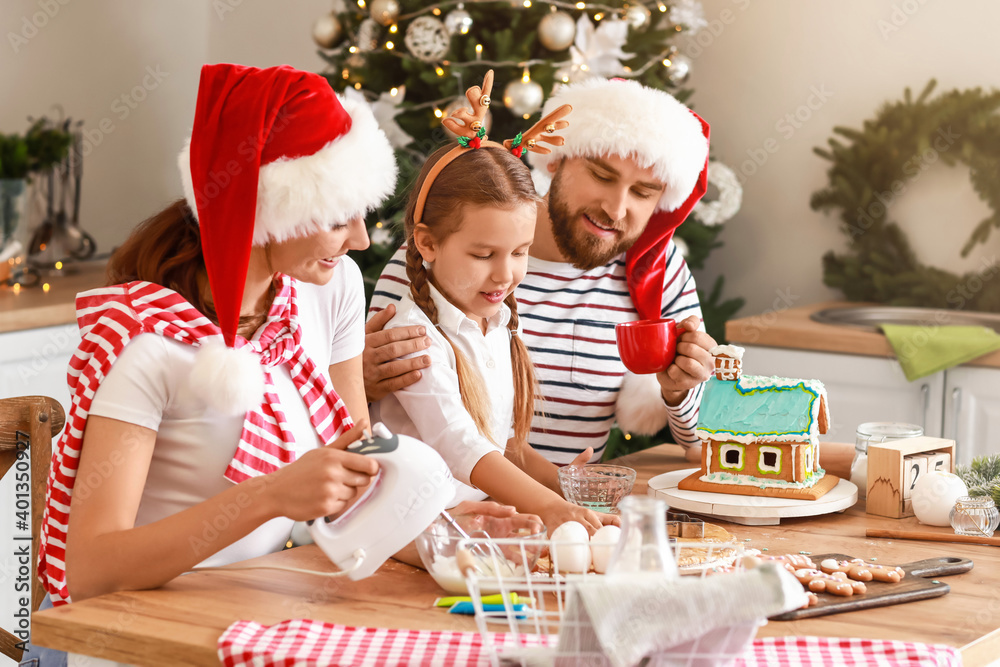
(313, 643)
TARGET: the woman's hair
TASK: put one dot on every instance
(166, 249)
(483, 177)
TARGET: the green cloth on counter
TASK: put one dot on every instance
(925, 350)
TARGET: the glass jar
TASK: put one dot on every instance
(975, 515)
(643, 548)
(876, 432)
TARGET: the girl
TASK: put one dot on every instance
(471, 219)
(203, 418)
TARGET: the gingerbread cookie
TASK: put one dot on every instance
(859, 570)
(837, 584)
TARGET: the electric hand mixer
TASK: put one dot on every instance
(413, 486)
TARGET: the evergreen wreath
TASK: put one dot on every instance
(876, 165)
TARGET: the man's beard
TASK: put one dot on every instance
(583, 249)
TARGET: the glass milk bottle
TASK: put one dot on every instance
(643, 548)
(877, 433)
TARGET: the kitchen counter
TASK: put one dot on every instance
(33, 308)
(791, 328)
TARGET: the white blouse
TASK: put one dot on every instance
(431, 409)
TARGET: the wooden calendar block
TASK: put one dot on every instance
(890, 475)
(939, 462)
(914, 467)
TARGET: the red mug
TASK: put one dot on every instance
(647, 346)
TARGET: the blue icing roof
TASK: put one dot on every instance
(760, 407)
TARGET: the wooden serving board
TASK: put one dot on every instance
(919, 583)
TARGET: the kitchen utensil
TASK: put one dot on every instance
(931, 537)
(412, 487)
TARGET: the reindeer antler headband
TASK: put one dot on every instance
(468, 124)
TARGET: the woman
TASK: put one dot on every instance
(203, 421)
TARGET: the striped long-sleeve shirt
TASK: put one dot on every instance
(569, 316)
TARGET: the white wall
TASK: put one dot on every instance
(767, 59)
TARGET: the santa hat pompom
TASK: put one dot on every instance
(640, 407)
(228, 380)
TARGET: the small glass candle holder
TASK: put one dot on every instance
(975, 515)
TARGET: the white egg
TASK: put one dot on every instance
(934, 494)
(571, 550)
(602, 545)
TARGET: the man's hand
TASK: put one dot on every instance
(384, 371)
(692, 366)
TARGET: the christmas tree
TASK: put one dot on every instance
(412, 61)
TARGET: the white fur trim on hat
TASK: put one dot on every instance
(640, 408)
(228, 380)
(628, 119)
(296, 197)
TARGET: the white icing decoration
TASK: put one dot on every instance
(829, 564)
(750, 480)
(733, 351)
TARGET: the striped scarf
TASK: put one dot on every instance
(109, 318)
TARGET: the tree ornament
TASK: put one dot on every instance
(368, 33)
(427, 39)
(638, 17)
(873, 166)
(458, 21)
(556, 31)
(523, 97)
(327, 31)
(385, 12)
(689, 14)
(598, 51)
(679, 70)
(729, 199)
(462, 103)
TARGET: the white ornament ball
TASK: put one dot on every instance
(458, 21)
(327, 31)
(556, 31)
(679, 70)
(523, 97)
(602, 546)
(385, 11)
(368, 33)
(638, 16)
(427, 39)
(933, 496)
(574, 554)
(464, 104)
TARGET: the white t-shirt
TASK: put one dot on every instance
(148, 386)
(431, 409)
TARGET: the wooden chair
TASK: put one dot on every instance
(28, 423)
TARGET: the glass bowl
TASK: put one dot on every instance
(438, 544)
(597, 487)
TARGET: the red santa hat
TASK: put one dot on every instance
(274, 154)
(628, 119)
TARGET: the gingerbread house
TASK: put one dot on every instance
(760, 435)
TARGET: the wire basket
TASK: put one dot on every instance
(529, 635)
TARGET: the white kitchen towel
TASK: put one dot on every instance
(627, 618)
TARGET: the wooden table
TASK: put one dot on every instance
(181, 622)
(33, 307)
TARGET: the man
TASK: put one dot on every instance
(631, 169)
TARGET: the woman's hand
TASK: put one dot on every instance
(323, 481)
(558, 513)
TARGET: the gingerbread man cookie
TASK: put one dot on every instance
(837, 584)
(859, 570)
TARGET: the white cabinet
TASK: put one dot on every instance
(972, 411)
(962, 403)
(34, 362)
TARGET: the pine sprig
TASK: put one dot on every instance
(983, 477)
